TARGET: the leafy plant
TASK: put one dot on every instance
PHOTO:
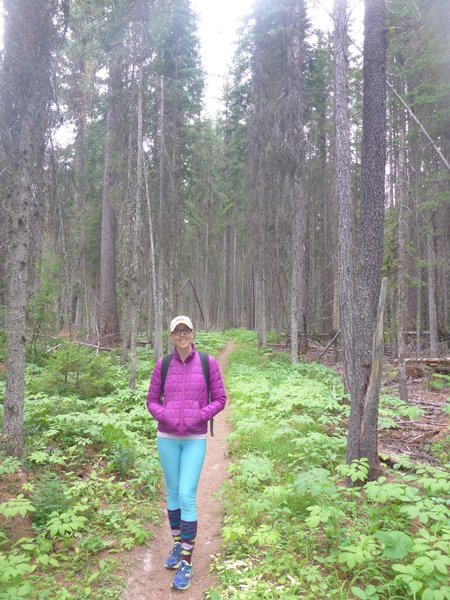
(356, 471)
(396, 544)
(66, 523)
(369, 593)
(8, 465)
(254, 470)
(14, 566)
(315, 482)
(332, 541)
(439, 381)
(358, 553)
(49, 497)
(122, 461)
(16, 506)
(73, 369)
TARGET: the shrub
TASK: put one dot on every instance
(72, 369)
(49, 497)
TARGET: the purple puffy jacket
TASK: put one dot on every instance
(185, 410)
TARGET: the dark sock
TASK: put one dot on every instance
(188, 535)
(175, 522)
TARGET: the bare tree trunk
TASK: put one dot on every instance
(24, 116)
(234, 281)
(419, 286)
(432, 306)
(157, 344)
(259, 272)
(108, 319)
(206, 279)
(127, 245)
(260, 300)
(401, 272)
(369, 433)
(295, 276)
(343, 189)
(12, 433)
(370, 227)
(136, 229)
(296, 108)
(224, 287)
(159, 248)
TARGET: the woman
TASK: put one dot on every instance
(182, 419)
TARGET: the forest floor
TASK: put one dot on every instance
(146, 577)
(411, 438)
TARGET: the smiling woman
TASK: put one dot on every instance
(183, 397)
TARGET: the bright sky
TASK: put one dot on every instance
(218, 25)
(219, 22)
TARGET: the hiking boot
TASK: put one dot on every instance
(182, 579)
(173, 560)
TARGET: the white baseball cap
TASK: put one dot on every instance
(180, 320)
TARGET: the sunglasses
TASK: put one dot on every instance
(180, 332)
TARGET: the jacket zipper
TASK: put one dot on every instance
(182, 400)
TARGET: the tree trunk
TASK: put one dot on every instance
(432, 305)
(295, 60)
(234, 322)
(206, 278)
(157, 339)
(369, 249)
(295, 251)
(16, 320)
(419, 279)
(159, 255)
(25, 118)
(343, 189)
(401, 273)
(136, 228)
(369, 429)
(108, 319)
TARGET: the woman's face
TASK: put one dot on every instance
(182, 337)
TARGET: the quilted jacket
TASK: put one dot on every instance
(185, 409)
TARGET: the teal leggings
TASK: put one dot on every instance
(182, 462)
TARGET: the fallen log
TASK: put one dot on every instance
(419, 367)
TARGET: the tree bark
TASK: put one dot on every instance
(369, 429)
(108, 319)
(136, 229)
(401, 272)
(25, 118)
(343, 189)
(432, 305)
(369, 249)
(295, 57)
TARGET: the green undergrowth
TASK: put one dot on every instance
(292, 527)
(88, 488)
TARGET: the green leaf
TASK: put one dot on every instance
(415, 586)
(428, 594)
(396, 543)
(359, 593)
(440, 566)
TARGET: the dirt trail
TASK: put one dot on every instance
(147, 579)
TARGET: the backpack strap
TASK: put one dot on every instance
(164, 368)
(204, 358)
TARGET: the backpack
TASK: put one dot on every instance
(204, 359)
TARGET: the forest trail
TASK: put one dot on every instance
(146, 577)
